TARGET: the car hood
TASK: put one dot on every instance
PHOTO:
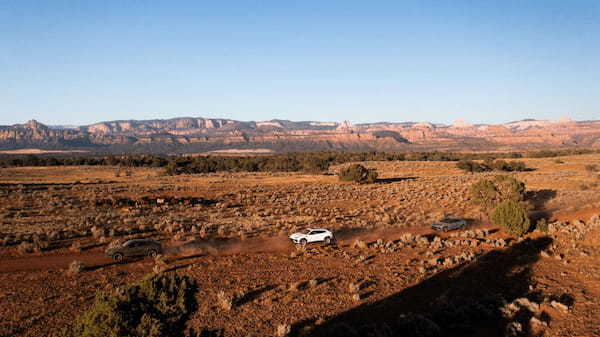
(112, 250)
(297, 236)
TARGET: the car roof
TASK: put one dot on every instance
(140, 240)
(317, 229)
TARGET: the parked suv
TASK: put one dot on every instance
(312, 235)
(135, 247)
(447, 224)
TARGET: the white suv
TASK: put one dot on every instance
(312, 235)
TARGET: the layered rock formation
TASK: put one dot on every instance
(188, 135)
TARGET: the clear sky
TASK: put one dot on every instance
(78, 62)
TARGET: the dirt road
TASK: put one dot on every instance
(279, 244)
(52, 262)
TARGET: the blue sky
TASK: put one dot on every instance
(78, 62)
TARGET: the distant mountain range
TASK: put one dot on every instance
(200, 135)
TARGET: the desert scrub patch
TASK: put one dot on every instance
(156, 306)
(491, 192)
(472, 166)
(542, 225)
(512, 216)
(360, 244)
(26, 248)
(359, 174)
(591, 168)
(75, 267)
(583, 187)
(224, 301)
(75, 246)
(283, 330)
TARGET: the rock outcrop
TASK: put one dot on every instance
(187, 135)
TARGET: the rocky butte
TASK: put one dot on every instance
(193, 135)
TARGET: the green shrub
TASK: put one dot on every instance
(489, 164)
(472, 166)
(484, 193)
(502, 165)
(359, 174)
(26, 248)
(157, 306)
(491, 192)
(517, 166)
(511, 216)
(509, 188)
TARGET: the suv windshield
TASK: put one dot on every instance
(129, 244)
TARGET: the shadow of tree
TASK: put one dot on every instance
(539, 198)
(204, 333)
(250, 296)
(462, 301)
(393, 180)
(100, 266)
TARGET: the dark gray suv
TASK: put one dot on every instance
(135, 247)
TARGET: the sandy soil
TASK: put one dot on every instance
(232, 238)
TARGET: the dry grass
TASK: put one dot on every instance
(262, 209)
(283, 330)
(75, 267)
(224, 301)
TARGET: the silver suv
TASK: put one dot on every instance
(448, 224)
(135, 247)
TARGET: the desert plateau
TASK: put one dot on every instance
(228, 231)
(299, 168)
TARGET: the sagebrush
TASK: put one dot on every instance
(512, 216)
(359, 174)
(156, 306)
(491, 192)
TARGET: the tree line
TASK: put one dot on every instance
(286, 162)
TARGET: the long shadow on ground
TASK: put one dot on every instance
(462, 301)
(394, 179)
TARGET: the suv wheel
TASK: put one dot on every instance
(445, 229)
(303, 242)
(327, 240)
(152, 253)
(118, 257)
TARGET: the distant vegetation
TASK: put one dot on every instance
(159, 305)
(289, 162)
(358, 173)
(490, 164)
